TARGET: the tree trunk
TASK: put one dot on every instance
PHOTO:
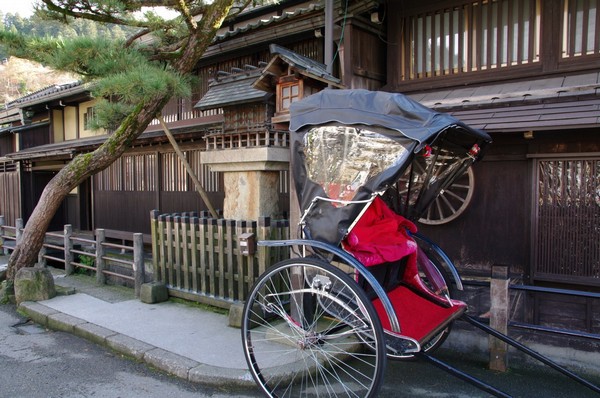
(85, 165)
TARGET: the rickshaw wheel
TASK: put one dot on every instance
(452, 201)
(309, 330)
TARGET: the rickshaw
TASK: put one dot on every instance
(362, 285)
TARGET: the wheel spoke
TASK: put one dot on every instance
(312, 333)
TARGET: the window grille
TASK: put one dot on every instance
(475, 36)
(580, 28)
(129, 173)
(176, 179)
(89, 117)
(567, 222)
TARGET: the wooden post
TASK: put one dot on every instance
(263, 232)
(499, 317)
(185, 252)
(2, 251)
(169, 277)
(230, 279)
(160, 272)
(18, 230)
(138, 262)
(41, 257)
(195, 254)
(177, 265)
(155, 241)
(68, 247)
(100, 262)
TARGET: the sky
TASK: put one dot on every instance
(22, 7)
(25, 8)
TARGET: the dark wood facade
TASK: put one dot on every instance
(519, 69)
(491, 41)
(459, 49)
(142, 181)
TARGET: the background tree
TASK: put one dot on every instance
(138, 78)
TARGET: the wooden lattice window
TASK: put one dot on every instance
(176, 179)
(136, 172)
(567, 221)
(474, 36)
(289, 89)
(580, 28)
(89, 117)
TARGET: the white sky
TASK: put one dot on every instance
(22, 7)
(25, 8)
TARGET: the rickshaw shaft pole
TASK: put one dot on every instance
(531, 352)
(463, 376)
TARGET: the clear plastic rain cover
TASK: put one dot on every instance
(341, 159)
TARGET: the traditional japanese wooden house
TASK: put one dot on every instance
(526, 71)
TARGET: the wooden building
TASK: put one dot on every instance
(526, 71)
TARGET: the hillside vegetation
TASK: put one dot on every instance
(19, 77)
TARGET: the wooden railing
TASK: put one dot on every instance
(251, 138)
(78, 252)
(213, 261)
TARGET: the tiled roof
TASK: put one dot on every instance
(268, 21)
(312, 67)
(47, 93)
(542, 104)
(232, 90)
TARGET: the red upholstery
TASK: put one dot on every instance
(419, 317)
(379, 238)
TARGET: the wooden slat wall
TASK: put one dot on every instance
(9, 194)
(141, 182)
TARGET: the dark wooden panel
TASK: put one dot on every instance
(123, 210)
(494, 228)
(32, 187)
(6, 144)
(35, 136)
(178, 202)
(365, 59)
(563, 312)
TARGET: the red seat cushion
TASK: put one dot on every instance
(419, 317)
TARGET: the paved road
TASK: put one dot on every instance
(35, 362)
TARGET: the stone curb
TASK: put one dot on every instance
(159, 358)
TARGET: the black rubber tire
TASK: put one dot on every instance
(313, 351)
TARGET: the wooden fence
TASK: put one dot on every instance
(83, 252)
(202, 259)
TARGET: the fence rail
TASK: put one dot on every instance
(102, 257)
(214, 261)
(503, 311)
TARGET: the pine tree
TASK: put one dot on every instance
(139, 80)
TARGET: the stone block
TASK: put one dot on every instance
(38, 313)
(236, 314)
(154, 292)
(34, 284)
(128, 346)
(169, 362)
(236, 311)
